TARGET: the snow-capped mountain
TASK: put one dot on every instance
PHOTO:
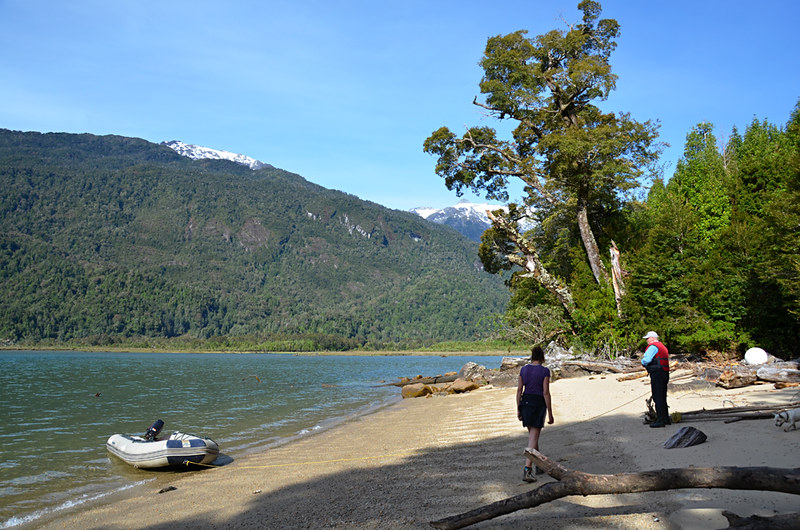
(197, 152)
(468, 218)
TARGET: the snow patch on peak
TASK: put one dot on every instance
(424, 211)
(464, 208)
(467, 217)
(196, 152)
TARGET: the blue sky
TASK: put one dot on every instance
(345, 92)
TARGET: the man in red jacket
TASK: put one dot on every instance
(656, 360)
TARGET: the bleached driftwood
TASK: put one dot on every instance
(779, 373)
(570, 482)
(730, 414)
(636, 375)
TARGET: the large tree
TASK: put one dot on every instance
(572, 158)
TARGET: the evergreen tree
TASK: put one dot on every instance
(574, 160)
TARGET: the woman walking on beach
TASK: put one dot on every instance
(533, 402)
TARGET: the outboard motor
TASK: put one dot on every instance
(154, 430)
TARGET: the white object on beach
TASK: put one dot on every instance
(755, 356)
(178, 449)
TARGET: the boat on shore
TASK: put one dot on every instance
(151, 452)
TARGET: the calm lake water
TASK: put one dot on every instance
(53, 425)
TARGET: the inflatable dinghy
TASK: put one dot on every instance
(149, 451)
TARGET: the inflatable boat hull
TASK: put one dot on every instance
(177, 450)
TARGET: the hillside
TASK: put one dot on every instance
(119, 237)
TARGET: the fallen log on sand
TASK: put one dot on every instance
(730, 414)
(570, 482)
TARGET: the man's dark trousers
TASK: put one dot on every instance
(659, 380)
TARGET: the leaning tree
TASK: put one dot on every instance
(571, 157)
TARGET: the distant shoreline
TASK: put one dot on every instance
(373, 353)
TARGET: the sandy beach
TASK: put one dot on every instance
(428, 458)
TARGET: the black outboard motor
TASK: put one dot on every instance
(154, 430)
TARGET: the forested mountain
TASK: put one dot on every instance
(118, 237)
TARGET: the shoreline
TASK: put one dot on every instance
(355, 353)
(418, 460)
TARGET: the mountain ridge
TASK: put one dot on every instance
(468, 218)
(109, 236)
(197, 152)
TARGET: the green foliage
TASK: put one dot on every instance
(717, 266)
(701, 181)
(109, 239)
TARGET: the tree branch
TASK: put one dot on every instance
(526, 176)
(571, 482)
(529, 261)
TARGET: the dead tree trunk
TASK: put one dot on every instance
(616, 277)
(590, 243)
(571, 482)
(528, 259)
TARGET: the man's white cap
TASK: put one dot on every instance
(651, 335)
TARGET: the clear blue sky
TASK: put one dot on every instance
(345, 92)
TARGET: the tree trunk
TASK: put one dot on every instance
(616, 277)
(589, 242)
(529, 260)
(571, 482)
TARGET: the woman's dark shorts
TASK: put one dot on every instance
(533, 409)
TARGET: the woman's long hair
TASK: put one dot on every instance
(537, 354)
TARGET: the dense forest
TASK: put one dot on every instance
(112, 240)
(709, 257)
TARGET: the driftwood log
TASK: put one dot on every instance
(425, 380)
(779, 373)
(570, 482)
(599, 366)
(740, 375)
(635, 375)
(733, 414)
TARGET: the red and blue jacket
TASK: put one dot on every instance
(656, 357)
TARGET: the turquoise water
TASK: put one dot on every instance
(54, 425)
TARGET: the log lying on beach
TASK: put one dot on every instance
(570, 482)
(635, 375)
(737, 377)
(731, 414)
(599, 366)
(740, 375)
(779, 373)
